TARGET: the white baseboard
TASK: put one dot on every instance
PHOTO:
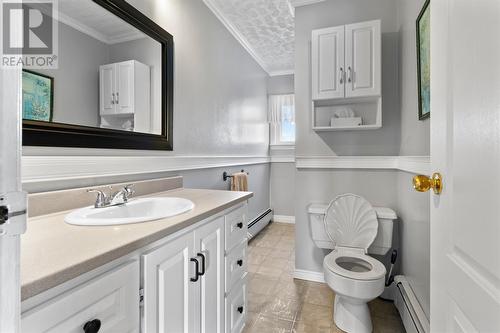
(309, 275)
(284, 219)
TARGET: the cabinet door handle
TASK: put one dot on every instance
(240, 225)
(92, 326)
(196, 269)
(117, 98)
(240, 262)
(341, 75)
(240, 309)
(203, 262)
(349, 79)
(112, 98)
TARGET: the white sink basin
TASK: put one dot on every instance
(134, 211)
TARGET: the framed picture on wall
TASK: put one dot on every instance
(38, 96)
(424, 62)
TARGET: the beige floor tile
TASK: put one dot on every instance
(389, 324)
(319, 294)
(381, 308)
(257, 302)
(316, 314)
(275, 263)
(282, 308)
(256, 259)
(280, 254)
(265, 324)
(301, 327)
(260, 284)
(271, 272)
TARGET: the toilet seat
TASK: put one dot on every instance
(354, 264)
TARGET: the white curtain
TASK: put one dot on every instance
(276, 105)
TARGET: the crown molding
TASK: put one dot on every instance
(299, 3)
(283, 72)
(236, 34)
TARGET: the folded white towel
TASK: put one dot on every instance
(344, 112)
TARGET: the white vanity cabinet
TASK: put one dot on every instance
(124, 93)
(192, 281)
(346, 61)
(184, 283)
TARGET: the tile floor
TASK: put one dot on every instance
(278, 303)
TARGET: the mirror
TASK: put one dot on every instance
(113, 85)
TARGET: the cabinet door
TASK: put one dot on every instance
(125, 87)
(209, 241)
(328, 63)
(363, 59)
(169, 293)
(111, 298)
(107, 89)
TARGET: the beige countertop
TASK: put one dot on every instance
(53, 252)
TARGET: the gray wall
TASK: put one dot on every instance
(413, 207)
(76, 81)
(282, 185)
(220, 97)
(280, 85)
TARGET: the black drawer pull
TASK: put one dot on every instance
(92, 326)
(240, 309)
(240, 225)
(240, 262)
(196, 269)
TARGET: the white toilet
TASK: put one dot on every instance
(352, 228)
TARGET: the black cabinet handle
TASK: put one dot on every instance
(196, 269)
(240, 225)
(240, 309)
(240, 262)
(203, 261)
(92, 326)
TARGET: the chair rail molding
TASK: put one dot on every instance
(411, 164)
(37, 169)
(282, 153)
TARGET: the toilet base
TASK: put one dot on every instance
(352, 315)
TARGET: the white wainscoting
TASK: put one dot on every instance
(284, 219)
(412, 164)
(37, 169)
(282, 153)
(309, 275)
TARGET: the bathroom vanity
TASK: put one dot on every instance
(185, 273)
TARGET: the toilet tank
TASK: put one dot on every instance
(382, 243)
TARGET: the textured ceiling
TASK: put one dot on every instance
(268, 28)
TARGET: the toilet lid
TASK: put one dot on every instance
(354, 264)
(351, 221)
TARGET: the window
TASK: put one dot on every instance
(282, 119)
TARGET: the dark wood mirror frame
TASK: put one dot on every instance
(39, 133)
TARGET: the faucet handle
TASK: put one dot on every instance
(129, 189)
(101, 199)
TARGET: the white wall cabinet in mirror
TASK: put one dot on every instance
(124, 96)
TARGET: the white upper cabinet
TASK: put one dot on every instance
(328, 63)
(346, 61)
(363, 59)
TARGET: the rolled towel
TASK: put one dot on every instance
(239, 181)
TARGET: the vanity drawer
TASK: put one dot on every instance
(236, 227)
(236, 265)
(236, 307)
(112, 299)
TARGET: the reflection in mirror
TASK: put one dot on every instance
(109, 74)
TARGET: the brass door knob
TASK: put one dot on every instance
(423, 183)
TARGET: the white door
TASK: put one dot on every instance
(327, 59)
(125, 87)
(209, 246)
(12, 201)
(363, 59)
(169, 294)
(107, 96)
(465, 148)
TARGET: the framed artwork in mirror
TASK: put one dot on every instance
(424, 62)
(38, 96)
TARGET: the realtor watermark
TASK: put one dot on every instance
(29, 34)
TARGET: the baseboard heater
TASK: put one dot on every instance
(258, 223)
(412, 314)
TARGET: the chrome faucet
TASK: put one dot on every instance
(118, 198)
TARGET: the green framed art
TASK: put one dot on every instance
(38, 96)
(424, 62)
